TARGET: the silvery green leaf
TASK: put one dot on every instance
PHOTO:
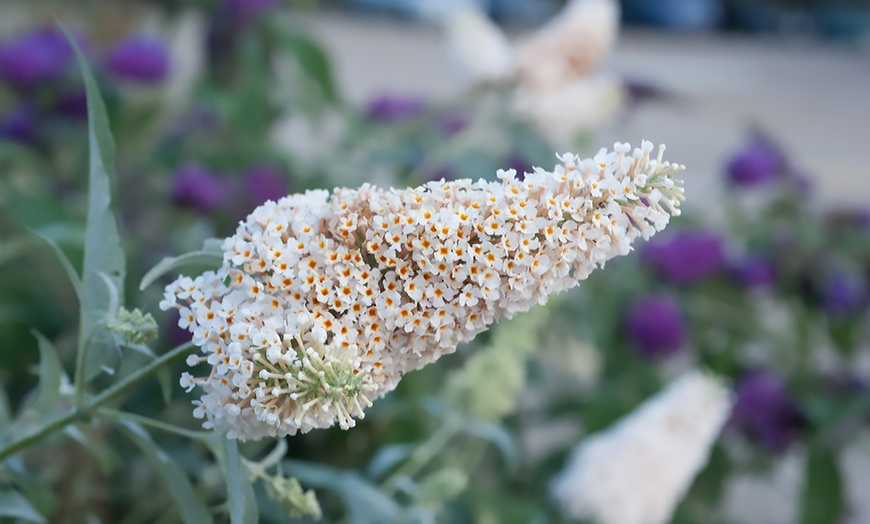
(67, 266)
(5, 410)
(191, 508)
(14, 506)
(210, 255)
(311, 59)
(240, 491)
(50, 375)
(823, 499)
(364, 502)
(498, 436)
(386, 458)
(103, 252)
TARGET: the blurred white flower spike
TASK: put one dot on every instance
(324, 301)
(637, 471)
(571, 46)
(478, 49)
(555, 71)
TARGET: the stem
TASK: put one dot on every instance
(150, 422)
(423, 454)
(55, 424)
(107, 395)
(134, 379)
(81, 354)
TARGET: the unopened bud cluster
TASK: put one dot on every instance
(324, 301)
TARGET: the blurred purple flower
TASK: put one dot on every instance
(195, 187)
(390, 108)
(20, 124)
(452, 122)
(687, 256)
(520, 164)
(244, 10)
(40, 55)
(754, 272)
(855, 218)
(843, 293)
(139, 58)
(266, 183)
(656, 327)
(72, 104)
(755, 163)
(765, 412)
(640, 91)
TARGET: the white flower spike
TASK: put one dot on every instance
(324, 301)
(637, 471)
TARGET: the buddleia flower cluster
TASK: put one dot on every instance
(324, 301)
(637, 471)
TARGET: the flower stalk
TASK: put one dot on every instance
(90, 406)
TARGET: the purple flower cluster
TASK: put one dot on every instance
(20, 124)
(39, 56)
(686, 257)
(245, 10)
(195, 187)
(392, 108)
(843, 293)
(754, 272)
(765, 412)
(655, 326)
(139, 58)
(755, 164)
(265, 183)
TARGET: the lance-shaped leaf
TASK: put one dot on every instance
(210, 255)
(364, 502)
(240, 491)
(14, 506)
(823, 499)
(191, 508)
(67, 266)
(103, 253)
(50, 375)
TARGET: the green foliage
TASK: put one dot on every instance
(487, 386)
(211, 255)
(242, 503)
(15, 506)
(51, 376)
(104, 266)
(190, 506)
(822, 498)
(465, 440)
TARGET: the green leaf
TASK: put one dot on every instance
(499, 437)
(13, 505)
(67, 266)
(240, 491)
(5, 410)
(50, 375)
(311, 58)
(210, 255)
(364, 502)
(388, 457)
(823, 501)
(103, 253)
(192, 509)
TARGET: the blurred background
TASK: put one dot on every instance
(220, 105)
